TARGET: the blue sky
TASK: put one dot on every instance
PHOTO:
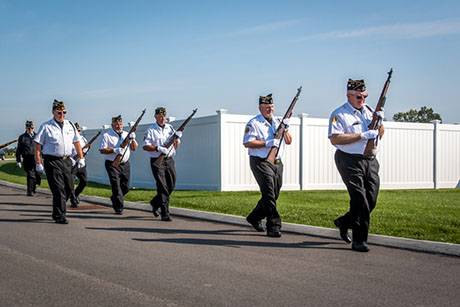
(109, 57)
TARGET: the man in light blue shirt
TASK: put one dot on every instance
(349, 133)
(55, 140)
(259, 138)
(163, 169)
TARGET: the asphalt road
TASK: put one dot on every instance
(101, 259)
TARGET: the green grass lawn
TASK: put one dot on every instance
(419, 214)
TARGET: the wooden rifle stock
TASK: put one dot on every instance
(7, 144)
(174, 137)
(279, 135)
(126, 142)
(376, 122)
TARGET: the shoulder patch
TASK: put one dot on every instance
(334, 119)
(247, 129)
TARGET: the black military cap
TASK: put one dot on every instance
(77, 126)
(116, 118)
(356, 85)
(160, 110)
(266, 99)
(58, 105)
(29, 124)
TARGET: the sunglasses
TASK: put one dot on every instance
(359, 97)
(61, 112)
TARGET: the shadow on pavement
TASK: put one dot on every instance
(24, 204)
(173, 231)
(45, 221)
(13, 194)
(101, 215)
(236, 243)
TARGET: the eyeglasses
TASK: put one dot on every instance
(61, 112)
(359, 97)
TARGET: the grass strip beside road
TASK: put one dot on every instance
(419, 214)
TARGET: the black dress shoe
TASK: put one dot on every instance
(257, 225)
(119, 212)
(30, 194)
(274, 233)
(62, 220)
(343, 231)
(154, 209)
(360, 247)
(73, 205)
(166, 218)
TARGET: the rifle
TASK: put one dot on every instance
(91, 142)
(174, 137)
(280, 131)
(376, 122)
(126, 142)
(7, 144)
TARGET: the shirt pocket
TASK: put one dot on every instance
(357, 127)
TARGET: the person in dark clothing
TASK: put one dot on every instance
(25, 157)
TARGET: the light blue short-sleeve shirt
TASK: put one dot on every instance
(57, 141)
(111, 139)
(258, 128)
(346, 119)
(158, 136)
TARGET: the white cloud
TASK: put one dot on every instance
(395, 31)
(257, 29)
(266, 27)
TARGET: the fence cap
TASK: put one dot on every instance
(221, 111)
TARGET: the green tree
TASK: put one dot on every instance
(424, 115)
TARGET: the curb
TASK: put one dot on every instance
(432, 247)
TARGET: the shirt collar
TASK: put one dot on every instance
(353, 109)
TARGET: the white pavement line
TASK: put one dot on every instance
(433, 247)
(137, 295)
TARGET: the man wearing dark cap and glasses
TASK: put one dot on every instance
(259, 138)
(56, 139)
(164, 169)
(349, 133)
(110, 147)
(25, 156)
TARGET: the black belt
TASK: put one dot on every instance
(111, 161)
(277, 161)
(51, 157)
(356, 156)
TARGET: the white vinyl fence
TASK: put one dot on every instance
(212, 156)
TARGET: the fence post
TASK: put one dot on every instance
(303, 120)
(436, 124)
(221, 122)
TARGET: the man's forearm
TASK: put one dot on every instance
(255, 144)
(78, 149)
(106, 151)
(346, 138)
(38, 156)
